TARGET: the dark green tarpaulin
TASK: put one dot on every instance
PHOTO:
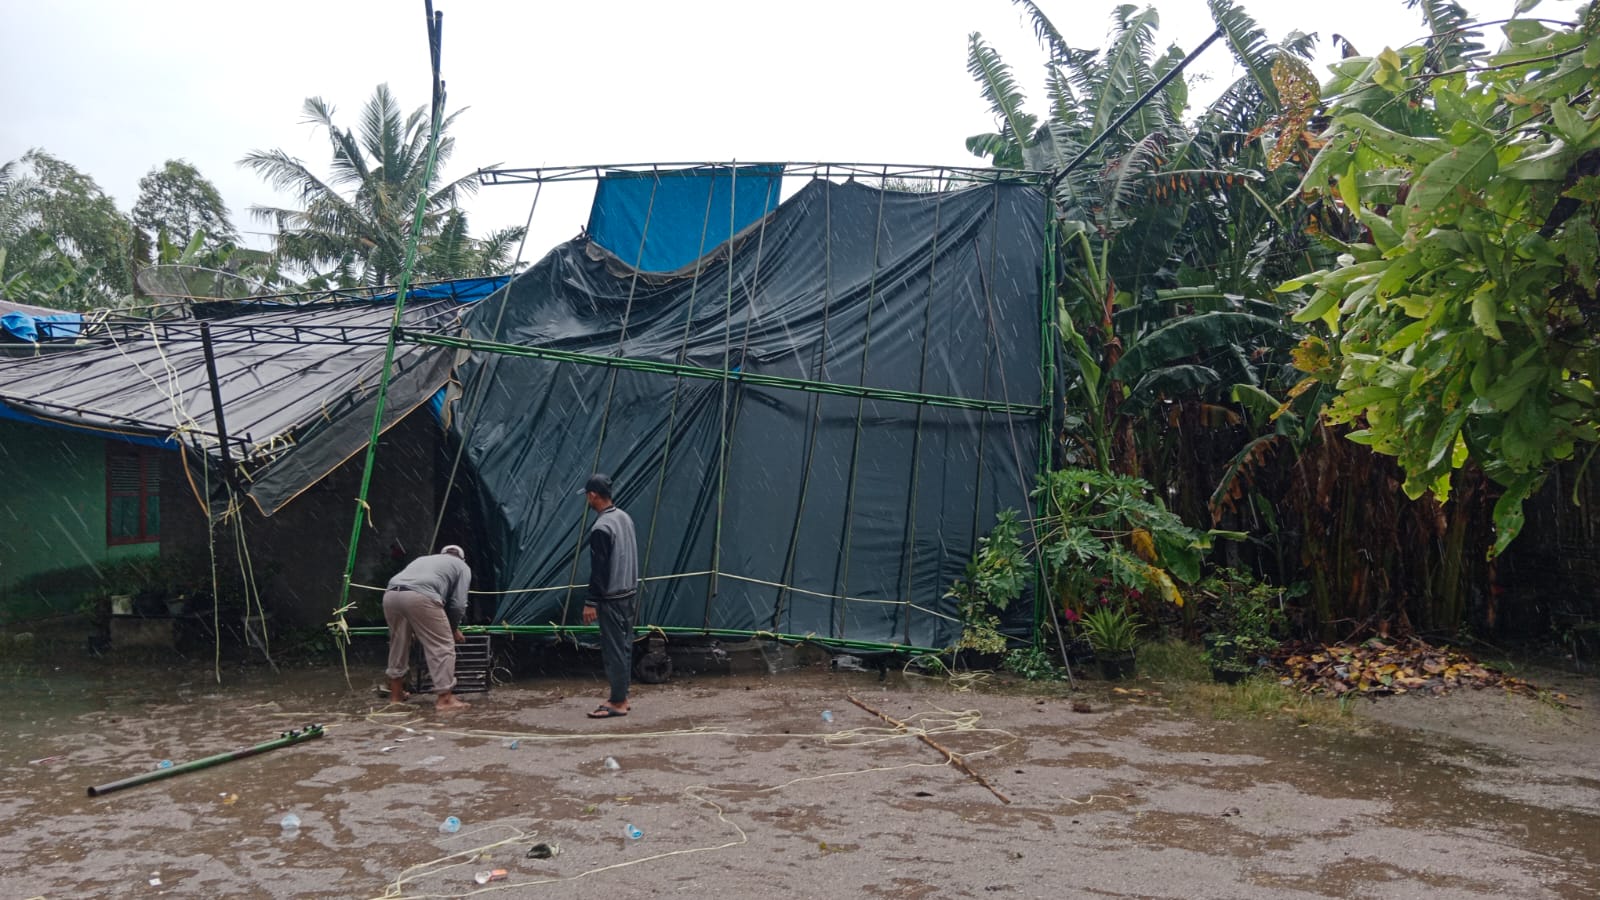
(760, 507)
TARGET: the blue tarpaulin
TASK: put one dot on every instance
(33, 329)
(689, 211)
(461, 290)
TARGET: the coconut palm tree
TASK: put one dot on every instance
(354, 226)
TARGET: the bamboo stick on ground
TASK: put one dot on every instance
(949, 754)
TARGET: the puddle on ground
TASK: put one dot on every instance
(739, 778)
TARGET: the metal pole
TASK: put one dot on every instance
(216, 404)
(1128, 113)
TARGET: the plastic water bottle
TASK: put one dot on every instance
(164, 764)
(827, 715)
(450, 825)
(289, 822)
(633, 833)
(612, 765)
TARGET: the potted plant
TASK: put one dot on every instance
(997, 575)
(1111, 629)
(1244, 622)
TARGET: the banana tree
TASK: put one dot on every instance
(1168, 233)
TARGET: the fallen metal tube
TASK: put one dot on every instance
(285, 739)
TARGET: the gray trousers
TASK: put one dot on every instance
(616, 643)
(409, 615)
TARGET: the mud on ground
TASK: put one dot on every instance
(739, 786)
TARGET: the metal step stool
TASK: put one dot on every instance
(473, 661)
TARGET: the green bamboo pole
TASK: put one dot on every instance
(1047, 367)
(310, 732)
(548, 630)
(755, 379)
(434, 26)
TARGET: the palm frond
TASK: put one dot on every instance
(1120, 182)
(285, 173)
(1064, 106)
(1126, 74)
(382, 135)
(1000, 89)
(1049, 37)
(496, 248)
(1451, 42)
(348, 165)
(1247, 40)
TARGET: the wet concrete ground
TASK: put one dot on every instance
(741, 788)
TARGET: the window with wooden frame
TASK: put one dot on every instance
(133, 494)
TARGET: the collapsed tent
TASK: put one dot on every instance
(811, 426)
(297, 382)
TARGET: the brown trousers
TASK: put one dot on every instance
(411, 614)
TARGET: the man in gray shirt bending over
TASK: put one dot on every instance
(428, 599)
(613, 588)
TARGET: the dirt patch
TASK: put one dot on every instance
(738, 785)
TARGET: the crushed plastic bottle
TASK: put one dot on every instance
(612, 765)
(633, 833)
(512, 745)
(164, 764)
(450, 825)
(289, 822)
(827, 715)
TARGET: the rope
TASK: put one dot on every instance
(1011, 432)
(677, 387)
(406, 268)
(842, 567)
(611, 388)
(816, 407)
(723, 423)
(908, 560)
(909, 604)
(730, 425)
(922, 726)
(484, 377)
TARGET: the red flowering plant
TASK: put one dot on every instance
(1108, 548)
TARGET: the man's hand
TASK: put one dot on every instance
(460, 638)
(590, 614)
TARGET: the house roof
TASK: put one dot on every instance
(7, 307)
(297, 383)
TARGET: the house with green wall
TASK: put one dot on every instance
(74, 506)
(224, 446)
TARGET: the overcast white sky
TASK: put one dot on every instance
(117, 88)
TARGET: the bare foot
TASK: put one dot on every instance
(448, 702)
(397, 691)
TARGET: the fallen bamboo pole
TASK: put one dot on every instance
(283, 740)
(949, 754)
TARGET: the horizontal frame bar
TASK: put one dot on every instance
(640, 630)
(752, 379)
(958, 174)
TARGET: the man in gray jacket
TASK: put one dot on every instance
(613, 589)
(428, 600)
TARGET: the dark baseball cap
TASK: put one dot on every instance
(599, 485)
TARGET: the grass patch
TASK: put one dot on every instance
(1181, 670)
(1262, 697)
(1173, 661)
